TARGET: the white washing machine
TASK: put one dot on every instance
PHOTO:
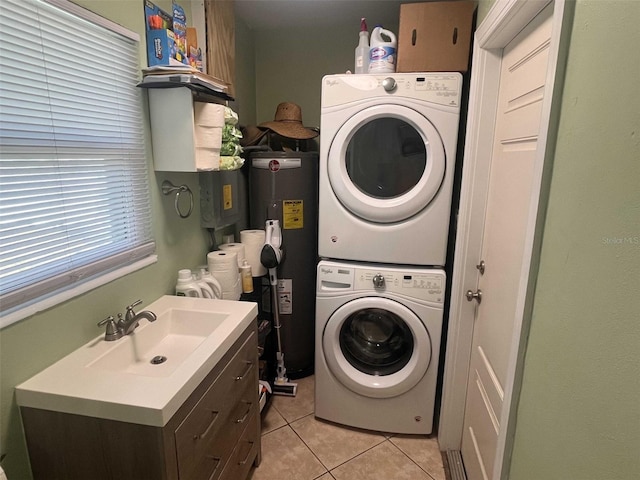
(387, 157)
(378, 334)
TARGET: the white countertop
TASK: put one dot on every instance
(69, 386)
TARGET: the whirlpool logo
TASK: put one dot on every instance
(326, 271)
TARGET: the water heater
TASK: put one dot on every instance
(284, 186)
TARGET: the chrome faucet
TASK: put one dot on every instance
(126, 325)
(131, 318)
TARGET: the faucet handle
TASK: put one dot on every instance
(130, 313)
(134, 304)
(105, 321)
(112, 332)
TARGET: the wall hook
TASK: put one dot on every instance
(168, 188)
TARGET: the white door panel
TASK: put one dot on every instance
(511, 184)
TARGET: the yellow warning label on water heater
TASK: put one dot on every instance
(292, 214)
(227, 202)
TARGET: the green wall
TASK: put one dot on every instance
(579, 414)
(578, 417)
(290, 64)
(245, 80)
(31, 345)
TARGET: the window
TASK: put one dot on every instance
(74, 199)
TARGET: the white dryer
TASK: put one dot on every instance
(387, 157)
(377, 345)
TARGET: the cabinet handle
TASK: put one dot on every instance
(246, 459)
(244, 417)
(249, 365)
(217, 460)
(208, 429)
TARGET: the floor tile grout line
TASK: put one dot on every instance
(361, 453)
(326, 470)
(412, 460)
(308, 447)
(384, 439)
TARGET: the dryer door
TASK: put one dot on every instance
(386, 163)
(376, 347)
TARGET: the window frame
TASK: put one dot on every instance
(35, 304)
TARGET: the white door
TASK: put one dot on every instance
(511, 186)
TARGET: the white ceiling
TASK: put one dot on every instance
(274, 14)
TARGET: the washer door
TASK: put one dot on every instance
(386, 163)
(376, 347)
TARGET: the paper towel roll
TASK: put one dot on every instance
(223, 265)
(253, 241)
(235, 247)
(207, 137)
(209, 114)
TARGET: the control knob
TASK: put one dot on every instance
(378, 280)
(389, 84)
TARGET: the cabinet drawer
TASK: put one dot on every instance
(199, 432)
(243, 413)
(244, 453)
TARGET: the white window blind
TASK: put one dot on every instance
(74, 199)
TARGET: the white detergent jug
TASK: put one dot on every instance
(382, 53)
(211, 281)
(187, 286)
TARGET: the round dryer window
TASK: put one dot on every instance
(376, 347)
(386, 163)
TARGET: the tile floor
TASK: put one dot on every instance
(297, 446)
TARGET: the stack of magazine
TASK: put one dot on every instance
(187, 76)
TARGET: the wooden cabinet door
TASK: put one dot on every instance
(221, 41)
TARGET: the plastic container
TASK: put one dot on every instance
(362, 50)
(187, 286)
(207, 288)
(247, 278)
(382, 53)
(211, 281)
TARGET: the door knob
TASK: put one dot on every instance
(471, 295)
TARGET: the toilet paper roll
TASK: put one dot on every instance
(235, 247)
(235, 293)
(253, 241)
(223, 265)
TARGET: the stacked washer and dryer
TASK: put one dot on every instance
(387, 157)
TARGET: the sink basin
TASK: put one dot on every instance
(157, 349)
(146, 376)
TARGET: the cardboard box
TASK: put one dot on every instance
(163, 47)
(435, 36)
(180, 29)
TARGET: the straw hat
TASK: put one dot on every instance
(288, 122)
(251, 135)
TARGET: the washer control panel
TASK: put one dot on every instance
(419, 283)
(415, 284)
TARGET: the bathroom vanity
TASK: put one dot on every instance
(213, 433)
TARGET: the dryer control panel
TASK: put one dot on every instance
(442, 88)
(417, 283)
